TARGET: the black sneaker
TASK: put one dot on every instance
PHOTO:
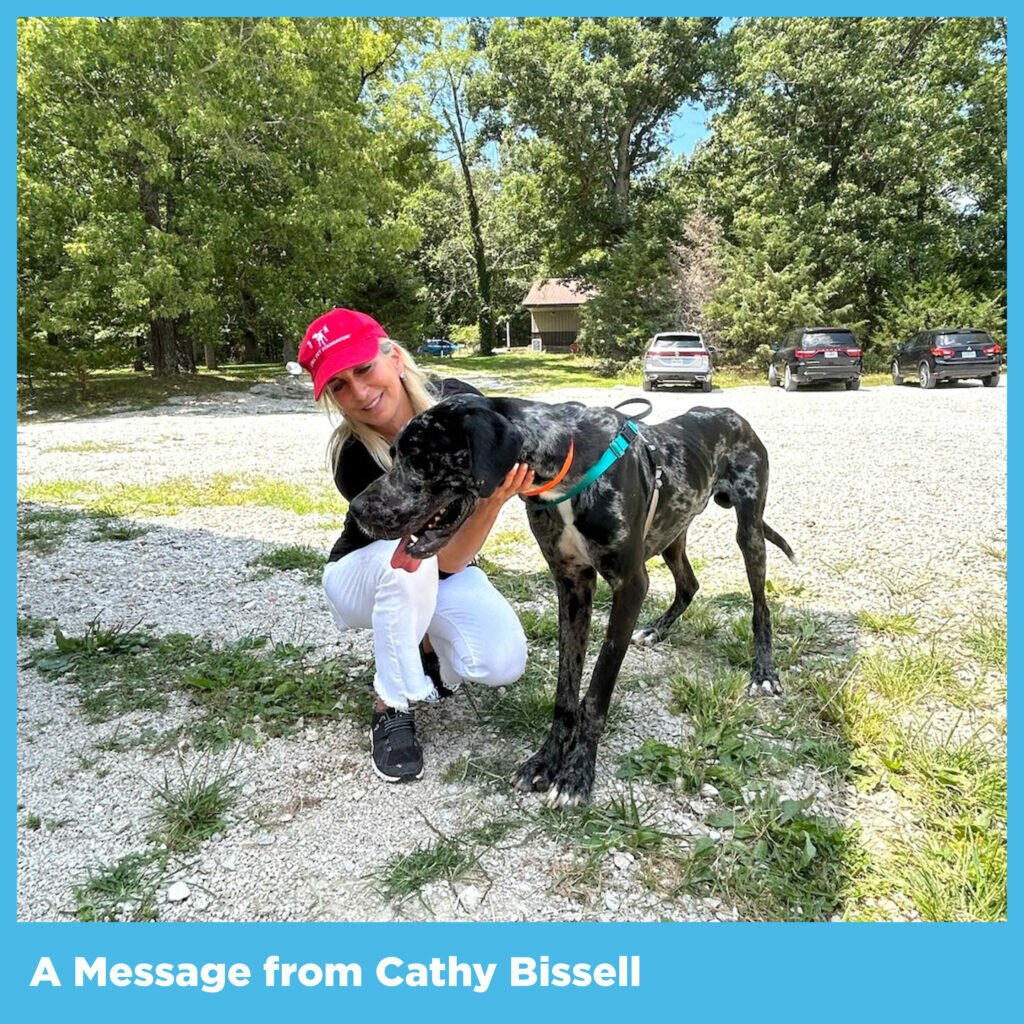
(397, 754)
(432, 669)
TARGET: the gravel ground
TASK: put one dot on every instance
(884, 493)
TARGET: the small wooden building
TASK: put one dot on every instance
(554, 306)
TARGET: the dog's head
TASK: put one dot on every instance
(443, 461)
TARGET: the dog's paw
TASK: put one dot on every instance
(534, 775)
(646, 636)
(573, 783)
(770, 687)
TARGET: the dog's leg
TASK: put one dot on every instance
(575, 777)
(686, 587)
(575, 585)
(750, 537)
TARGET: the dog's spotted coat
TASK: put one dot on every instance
(461, 449)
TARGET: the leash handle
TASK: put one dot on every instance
(637, 401)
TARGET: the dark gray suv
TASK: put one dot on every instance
(810, 354)
(948, 353)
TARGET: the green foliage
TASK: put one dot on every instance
(296, 557)
(243, 690)
(209, 180)
(587, 100)
(841, 172)
(942, 302)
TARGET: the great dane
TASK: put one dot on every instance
(662, 477)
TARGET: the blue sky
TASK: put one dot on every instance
(688, 128)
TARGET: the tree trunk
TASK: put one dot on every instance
(485, 318)
(290, 350)
(162, 349)
(185, 350)
(210, 353)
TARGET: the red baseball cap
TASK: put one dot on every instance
(338, 341)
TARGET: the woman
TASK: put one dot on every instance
(467, 629)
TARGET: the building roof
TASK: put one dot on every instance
(558, 291)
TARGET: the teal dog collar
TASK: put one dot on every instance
(629, 433)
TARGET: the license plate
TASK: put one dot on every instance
(968, 355)
(831, 355)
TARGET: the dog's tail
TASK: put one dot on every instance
(778, 540)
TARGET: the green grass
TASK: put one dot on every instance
(445, 859)
(123, 891)
(33, 627)
(92, 447)
(105, 391)
(246, 690)
(189, 811)
(109, 526)
(43, 530)
(890, 624)
(987, 641)
(526, 372)
(950, 864)
(776, 861)
(178, 493)
(295, 558)
(909, 677)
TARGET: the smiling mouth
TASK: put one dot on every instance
(373, 405)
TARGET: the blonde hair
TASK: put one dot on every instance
(415, 384)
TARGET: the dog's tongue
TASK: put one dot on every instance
(401, 559)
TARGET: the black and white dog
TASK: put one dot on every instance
(659, 479)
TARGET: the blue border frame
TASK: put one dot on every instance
(775, 971)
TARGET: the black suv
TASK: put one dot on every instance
(949, 353)
(816, 353)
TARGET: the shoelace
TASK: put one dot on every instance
(402, 721)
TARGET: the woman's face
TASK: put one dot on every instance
(372, 393)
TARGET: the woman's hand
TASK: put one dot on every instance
(470, 536)
(518, 479)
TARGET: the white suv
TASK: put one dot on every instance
(678, 357)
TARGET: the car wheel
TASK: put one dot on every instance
(773, 377)
(853, 384)
(991, 382)
(924, 371)
(705, 386)
(648, 385)
(897, 377)
(788, 382)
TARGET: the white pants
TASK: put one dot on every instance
(472, 628)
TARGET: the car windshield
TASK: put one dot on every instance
(678, 341)
(828, 339)
(961, 339)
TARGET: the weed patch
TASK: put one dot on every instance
(191, 810)
(445, 859)
(890, 624)
(778, 861)
(987, 641)
(296, 558)
(245, 690)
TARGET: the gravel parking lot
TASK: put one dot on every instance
(890, 496)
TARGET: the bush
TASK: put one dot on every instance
(938, 302)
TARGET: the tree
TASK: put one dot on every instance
(840, 170)
(589, 101)
(201, 180)
(447, 66)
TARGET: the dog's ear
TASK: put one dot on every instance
(494, 445)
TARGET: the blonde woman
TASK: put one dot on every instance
(467, 629)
